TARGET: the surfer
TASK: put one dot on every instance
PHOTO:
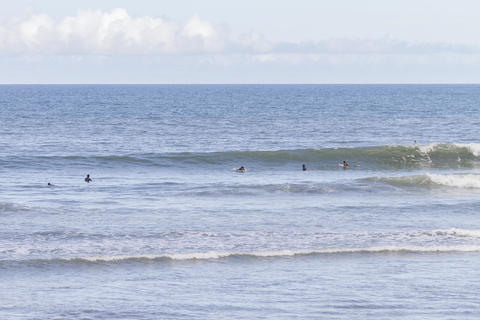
(345, 164)
(241, 169)
(88, 179)
(304, 167)
(50, 184)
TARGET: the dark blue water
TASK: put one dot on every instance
(168, 229)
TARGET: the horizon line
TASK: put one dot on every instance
(246, 83)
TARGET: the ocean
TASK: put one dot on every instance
(168, 229)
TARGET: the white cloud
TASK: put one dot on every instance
(94, 32)
(255, 42)
(385, 45)
(115, 32)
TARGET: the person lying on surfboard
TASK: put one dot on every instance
(345, 165)
(241, 169)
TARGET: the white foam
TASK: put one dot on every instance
(474, 148)
(456, 180)
(426, 149)
(212, 255)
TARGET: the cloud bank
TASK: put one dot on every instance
(104, 33)
(118, 33)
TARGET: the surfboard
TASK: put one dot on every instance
(354, 166)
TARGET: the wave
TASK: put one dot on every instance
(362, 185)
(305, 188)
(52, 247)
(433, 155)
(7, 207)
(455, 232)
(473, 148)
(430, 180)
(239, 237)
(216, 255)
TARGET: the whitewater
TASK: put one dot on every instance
(168, 229)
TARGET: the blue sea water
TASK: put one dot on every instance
(168, 229)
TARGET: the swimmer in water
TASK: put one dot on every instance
(304, 167)
(88, 179)
(241, 169)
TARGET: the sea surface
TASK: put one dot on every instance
(168, 229)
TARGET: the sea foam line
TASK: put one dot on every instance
(214, 255)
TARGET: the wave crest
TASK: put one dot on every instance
(450, 155)
(215, 255)
(430, 180)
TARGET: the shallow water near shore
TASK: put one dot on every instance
(169, 230)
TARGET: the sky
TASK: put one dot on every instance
(220, 41)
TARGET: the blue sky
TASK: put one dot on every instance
(213, 41)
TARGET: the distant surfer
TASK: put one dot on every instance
(345, 164)
(50, 184)
(241, 169)
(88, 179)
(304, 167)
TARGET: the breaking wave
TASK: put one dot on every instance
(215, 255)
(430, 180)
(433, 155)
(418, 241)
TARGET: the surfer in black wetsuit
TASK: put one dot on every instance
(241, 169)
(345, 164)
(88, 179)
(304, 167)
